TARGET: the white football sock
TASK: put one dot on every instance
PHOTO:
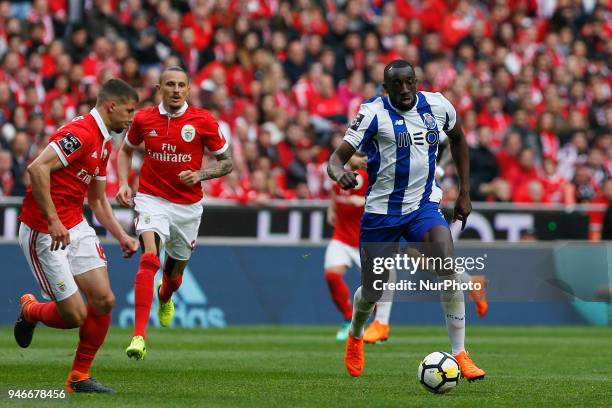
(383, 306)
(453, 305)
(464, 277)
(361, 312)
(383, 311)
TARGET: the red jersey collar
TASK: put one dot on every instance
(96, 115)
(163, 111)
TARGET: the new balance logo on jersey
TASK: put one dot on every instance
(153, 133)
(399, 122)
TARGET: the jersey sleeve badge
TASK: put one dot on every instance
(69, 144)
(357, 121)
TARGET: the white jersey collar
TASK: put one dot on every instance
(401, 111)
(96, 115)
(163, 111)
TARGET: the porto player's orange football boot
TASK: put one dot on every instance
(469, 370)
(479, 296)
(353, 358)
(376, 332)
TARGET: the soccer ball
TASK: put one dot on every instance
(439, 372)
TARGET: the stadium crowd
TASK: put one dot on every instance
(530, 79)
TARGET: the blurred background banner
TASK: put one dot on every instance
(229, 284)
(293, 222)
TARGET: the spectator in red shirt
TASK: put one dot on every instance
(507, 158)
(259, 192)
(6, 178)
(556, 188)
(232, 189)
(525, 172)
(548, 135)
(495, 118)
(530, 192)
(326, 103)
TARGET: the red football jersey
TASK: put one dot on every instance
(348, 216)
(83, 146)
(173, 143)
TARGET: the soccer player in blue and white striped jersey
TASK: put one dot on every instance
(400, 133)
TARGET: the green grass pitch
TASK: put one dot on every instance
(302, 366)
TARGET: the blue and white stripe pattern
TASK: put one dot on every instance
(402, 149)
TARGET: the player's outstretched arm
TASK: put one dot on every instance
(99, 204)
(40, 175)
(459, 150)
(335, 166)
(124, 163)
(223, 166)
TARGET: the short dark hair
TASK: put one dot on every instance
(117, 89)
(173, 68)
(397, 64)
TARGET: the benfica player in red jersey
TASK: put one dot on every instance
(61, 247)
(168, 202)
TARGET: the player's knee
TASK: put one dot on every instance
(370, 294)
(103, 304)
(334, 273)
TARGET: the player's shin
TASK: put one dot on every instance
(91, 336)
(46, 313)
(362, 309)
(383, 306)
(143, 291)
(383, 311)
(340, 293)
(453, 305)
(169, 286)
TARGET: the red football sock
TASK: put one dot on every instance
(45, 312)
(340, 293)
(143, 292)
(91, 336)
(169, 286)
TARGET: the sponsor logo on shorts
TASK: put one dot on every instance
(61, 286)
